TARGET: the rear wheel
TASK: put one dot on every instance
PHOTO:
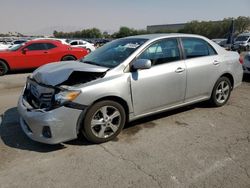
(68, 58)
(221, 92)
(3, 68)
(103, 121)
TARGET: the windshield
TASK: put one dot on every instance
(16, 47)
(113, 53)
(242, 38)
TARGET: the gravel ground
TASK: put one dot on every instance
(195, 146)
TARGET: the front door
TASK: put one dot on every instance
(34, 55)
(164, 84)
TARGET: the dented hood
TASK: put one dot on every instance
(56, 73)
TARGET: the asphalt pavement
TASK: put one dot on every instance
(195, 146)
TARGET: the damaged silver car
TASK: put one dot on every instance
(126, 79)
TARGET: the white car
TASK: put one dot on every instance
(4, 46)
(84, 44)
(242, 42)
(17, 42)
(246, 63)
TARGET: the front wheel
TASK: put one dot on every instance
(103, 121)
(3, 68)
(221, 92)
(68, 58)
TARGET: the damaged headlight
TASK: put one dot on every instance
(66, 96)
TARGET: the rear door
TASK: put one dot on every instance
(202, 63)
(162, 85)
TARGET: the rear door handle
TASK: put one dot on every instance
(45, 52)
(179, 70)
(216, 62)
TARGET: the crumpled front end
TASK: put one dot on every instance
(45, 120)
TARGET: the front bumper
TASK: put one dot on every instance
(50, 127)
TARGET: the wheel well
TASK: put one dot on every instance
(5, 63)
(111, 98)
(68, 55)
(118, 100)
(230, 77)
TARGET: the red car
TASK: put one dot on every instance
(35, 53)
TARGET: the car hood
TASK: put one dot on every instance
(56, 73)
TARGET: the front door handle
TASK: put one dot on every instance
(179, 70)
(216, 62)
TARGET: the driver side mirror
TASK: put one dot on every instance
(141, 64)
(24, 50)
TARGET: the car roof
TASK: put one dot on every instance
(45, 41)
(163, 35)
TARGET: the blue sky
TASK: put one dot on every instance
(43, 16)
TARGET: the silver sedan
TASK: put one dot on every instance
(124, 80)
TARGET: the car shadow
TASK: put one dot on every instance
(23, 71)
(12, 135)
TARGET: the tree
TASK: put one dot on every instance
(125, 32)
(242, 23)
(85, 33)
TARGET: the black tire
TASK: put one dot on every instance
(88, 50)
(221, 92)
(105, 128)
(3, 68)
(68, 58)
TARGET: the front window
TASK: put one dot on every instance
(36, 46)
(114, 53)
(162, 51)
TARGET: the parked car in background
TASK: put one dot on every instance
(35, 53)
(83, 44)
(242, 42)
(124, 80)
(218, 41)
(17, 42)
(4, 46)
(246, 63)
(100, 42)
(223, 43)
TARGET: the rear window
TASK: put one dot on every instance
(50, 46)
(195, 47)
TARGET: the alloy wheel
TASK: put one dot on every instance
(222, 92)
(105, 121)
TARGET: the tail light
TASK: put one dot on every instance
(241, 60)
